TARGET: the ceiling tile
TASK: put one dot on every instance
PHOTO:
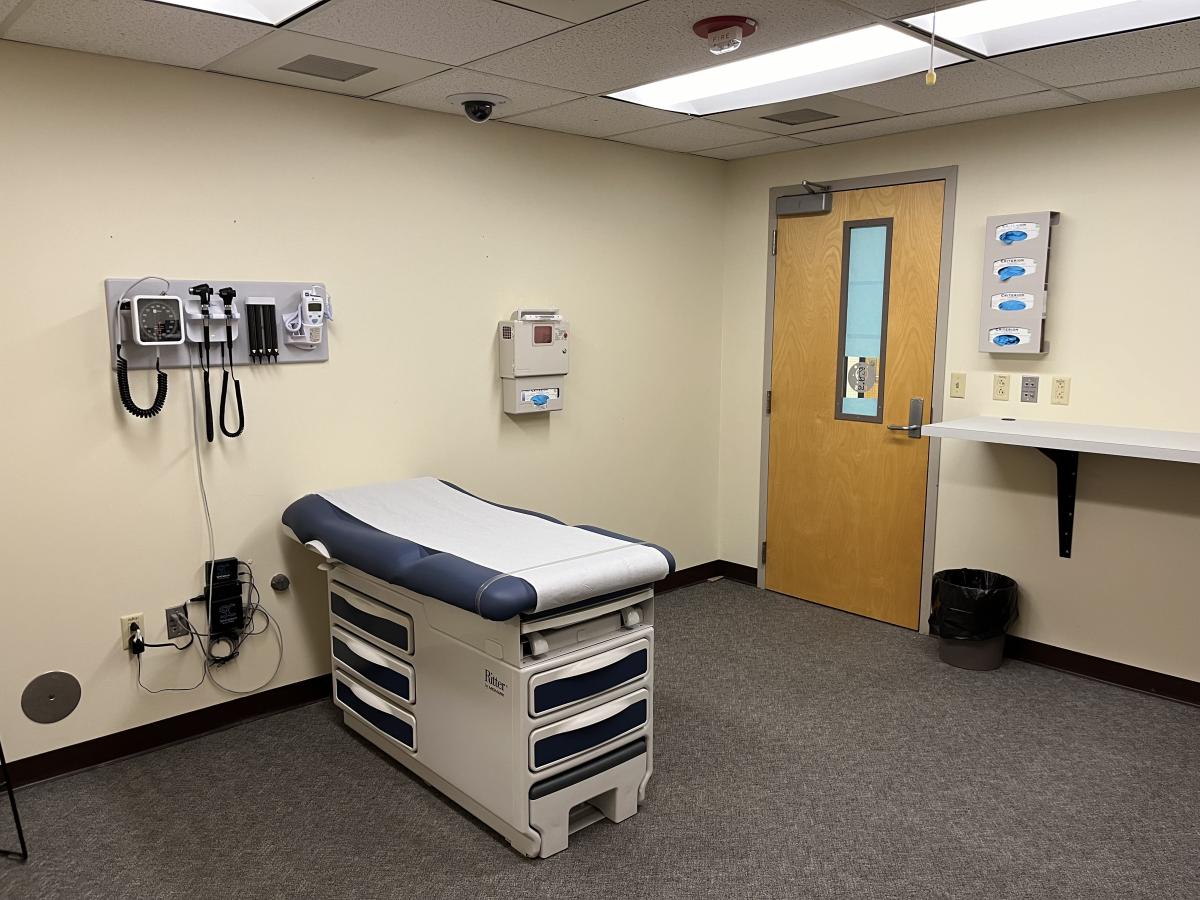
(843, 110)
(6, 7)
(654, 40)
(574, 10)
(449, 31)
(689, 136)
(134, 29)
(957, 85)
(935, 118)
(263, 58)
(895, 9)
(757, 148)
(431, 93)
(597, 117)
(1146, 84)
(1166, 48)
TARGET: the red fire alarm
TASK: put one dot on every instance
(724, 33)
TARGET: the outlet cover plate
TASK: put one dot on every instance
(1060, 390)
(1029, 389)
(174, 629)
(126, 621)
(1000, 384)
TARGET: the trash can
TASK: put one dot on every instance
(971, 612)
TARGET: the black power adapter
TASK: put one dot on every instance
(223, 593)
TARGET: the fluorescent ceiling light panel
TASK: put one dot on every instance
(269, 12)
(864, 56)
(993, 27)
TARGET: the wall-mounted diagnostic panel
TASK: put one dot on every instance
(160, 323)
(1016, 261)
(533, 360)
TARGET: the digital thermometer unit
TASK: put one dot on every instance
(306, 325)
(313, 316)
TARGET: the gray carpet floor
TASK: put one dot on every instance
(800, 753)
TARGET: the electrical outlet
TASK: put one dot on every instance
(175, 628)
(1029, 389)
(958, 384)
(1000, 387)
(133, 618)
(1060, 390)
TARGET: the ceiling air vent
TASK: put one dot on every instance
(799, 116)
(324, 67)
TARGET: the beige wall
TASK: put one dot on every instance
(427, 230)
(1124, 315)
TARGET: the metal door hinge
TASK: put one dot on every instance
(763, 557)
(768, 403)
(774, 240)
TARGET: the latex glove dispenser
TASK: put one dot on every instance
(533, 360)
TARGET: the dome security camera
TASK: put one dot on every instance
(477, 107)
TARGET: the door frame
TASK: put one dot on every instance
(948, 174)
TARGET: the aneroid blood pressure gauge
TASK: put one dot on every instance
(157, 319)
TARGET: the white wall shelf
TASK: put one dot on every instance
(1062, 442)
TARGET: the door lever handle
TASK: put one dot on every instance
(916, 415)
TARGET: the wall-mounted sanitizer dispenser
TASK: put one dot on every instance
(533, 360)
(1016, 262)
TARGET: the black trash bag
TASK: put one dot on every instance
(971, 604)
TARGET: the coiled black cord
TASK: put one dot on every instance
(160, 398)
(241, 415)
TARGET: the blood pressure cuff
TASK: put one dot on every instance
(434, 538)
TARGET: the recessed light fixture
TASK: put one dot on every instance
(269, 12)
(993, 27)
(864, 56)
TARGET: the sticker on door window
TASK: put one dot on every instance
(862, 377)
(862, 330)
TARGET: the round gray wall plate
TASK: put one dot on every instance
(51, 697)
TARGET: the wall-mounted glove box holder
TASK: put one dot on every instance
(269, 300)
(1016, 261)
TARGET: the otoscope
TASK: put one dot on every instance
(204, 292)
(227, 294)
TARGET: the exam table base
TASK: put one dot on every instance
(612, 795)
(465, 686)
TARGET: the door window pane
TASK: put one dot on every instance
(862, 333)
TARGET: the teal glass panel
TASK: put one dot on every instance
(863, 317)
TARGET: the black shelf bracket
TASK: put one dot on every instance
(1067, 463)
(23, 853)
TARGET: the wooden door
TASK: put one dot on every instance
(846, 495)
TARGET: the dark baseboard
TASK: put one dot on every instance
(1169, 686)
(165, 731)
(717, 568)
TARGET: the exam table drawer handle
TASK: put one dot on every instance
(386, 718)
(588, 677)
(373, 665)
(586, 731)
(372, 620)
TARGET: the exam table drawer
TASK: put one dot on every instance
(382, 625)
(392, 722)
(587, 678)
(572, 737)
(394, 678)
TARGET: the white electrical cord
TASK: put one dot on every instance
(212, 544)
